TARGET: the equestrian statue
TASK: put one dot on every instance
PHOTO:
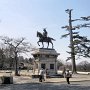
(44, 38)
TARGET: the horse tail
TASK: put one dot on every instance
(52, 39)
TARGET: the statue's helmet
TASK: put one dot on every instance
(44, 29)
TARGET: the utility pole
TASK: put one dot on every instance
(71, 41)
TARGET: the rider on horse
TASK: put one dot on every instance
(45, 33)
(44, 38)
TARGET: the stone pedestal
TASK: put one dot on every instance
(46, 59)
(7, 79)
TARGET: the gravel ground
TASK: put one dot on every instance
(78, 82)
(45, 86)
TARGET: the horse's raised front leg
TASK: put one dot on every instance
(38, 43)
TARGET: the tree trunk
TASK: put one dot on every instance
(72, 45)
(16, 65)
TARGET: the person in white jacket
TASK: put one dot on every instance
(41, 75)
(67, 75)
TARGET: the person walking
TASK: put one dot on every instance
(19, 70)
(67, 75)
(41, 75)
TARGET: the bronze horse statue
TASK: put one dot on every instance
(43, 39)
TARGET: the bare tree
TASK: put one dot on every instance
(17, 46)
(2, 58)
(83, 66)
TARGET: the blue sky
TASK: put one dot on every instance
(23, 18)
